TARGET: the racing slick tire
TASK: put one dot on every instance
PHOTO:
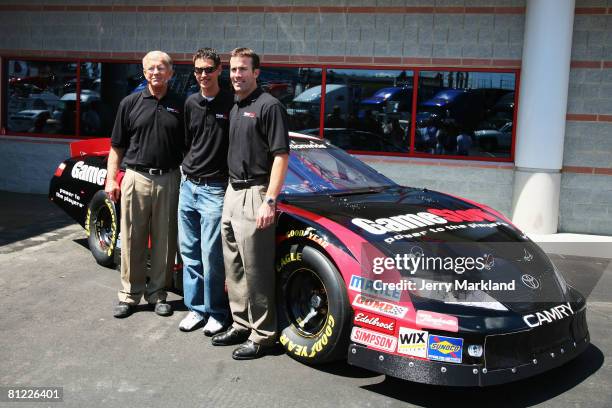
(313, 312)
(102, 227)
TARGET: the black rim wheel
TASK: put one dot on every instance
(103, 227)
(306, 302)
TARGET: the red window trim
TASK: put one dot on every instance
(323, 66)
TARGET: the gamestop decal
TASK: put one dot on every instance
(91, 174)
(447, 349)
(427, 222)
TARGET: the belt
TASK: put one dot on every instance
(151, 170)
(242, 184)
(206, 180)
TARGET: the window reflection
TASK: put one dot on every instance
(368, 110)
(296, 88)
(39, 97)
(465, 113)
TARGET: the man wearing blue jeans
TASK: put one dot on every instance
(203, 185)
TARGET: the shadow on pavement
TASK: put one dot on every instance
(524, 393)
(24, 216)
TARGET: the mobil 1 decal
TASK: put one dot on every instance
(425, 223)
(442, 348)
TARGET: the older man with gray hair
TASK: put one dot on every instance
(148, 137)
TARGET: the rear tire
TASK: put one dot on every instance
(102, 226)
(313, 312)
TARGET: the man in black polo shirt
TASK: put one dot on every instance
(148, 136)
(258, 159)
(201, 196)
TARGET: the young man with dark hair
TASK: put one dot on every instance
(202, 190)
(258, 159)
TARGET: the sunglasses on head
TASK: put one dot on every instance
(208, 70)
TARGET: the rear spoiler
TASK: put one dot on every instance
(94, 147)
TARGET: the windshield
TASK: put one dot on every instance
(315, 166)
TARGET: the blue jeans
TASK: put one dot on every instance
(199, 219)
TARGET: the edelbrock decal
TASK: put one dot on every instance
(412, 342)
(365, 285)
(376, 322)
(548, 316)
(373, 339)
(379, 306)
(91, 174)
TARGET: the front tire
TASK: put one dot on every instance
(102, 227)
(313, 312)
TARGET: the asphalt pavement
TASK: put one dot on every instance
(58, 330)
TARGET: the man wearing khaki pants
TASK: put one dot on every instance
(148, 136)
(257, 161)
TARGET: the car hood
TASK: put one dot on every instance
(461, 227)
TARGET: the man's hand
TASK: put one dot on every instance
(265, 215)
(112, 189)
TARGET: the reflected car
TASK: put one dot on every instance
(491, 140)
(400, 97)
(339, 222)
(353, 139)
(28, 120)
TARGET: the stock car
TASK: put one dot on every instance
(346, 239)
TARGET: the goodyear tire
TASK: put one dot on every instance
(313, 312)
(102, 227)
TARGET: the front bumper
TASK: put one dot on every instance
(462, 375)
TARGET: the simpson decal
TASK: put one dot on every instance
(379, 306)
(373, 339)
(412, 342)
(448, 349)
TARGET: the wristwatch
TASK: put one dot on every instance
(270, 201)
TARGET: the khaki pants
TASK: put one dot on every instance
(148, 207)
(248, 253)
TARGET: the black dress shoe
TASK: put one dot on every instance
(122, 309)
(230, 337)
(250, 350)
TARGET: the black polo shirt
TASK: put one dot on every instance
(207, 134)
(258, 131)
(150, 130)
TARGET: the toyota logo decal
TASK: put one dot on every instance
(530, 281)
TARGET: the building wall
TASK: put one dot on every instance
(586, 183)
(454, 33)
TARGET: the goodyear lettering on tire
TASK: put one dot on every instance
(317, 347)
(111, 247)
(290, 257)
(87, 222)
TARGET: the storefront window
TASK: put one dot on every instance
(458, 113)
(463, 113)
(369, 110)
(38, 97)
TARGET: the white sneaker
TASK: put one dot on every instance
(213, 326)
(190, 321)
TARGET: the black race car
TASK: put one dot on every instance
(408, 282)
